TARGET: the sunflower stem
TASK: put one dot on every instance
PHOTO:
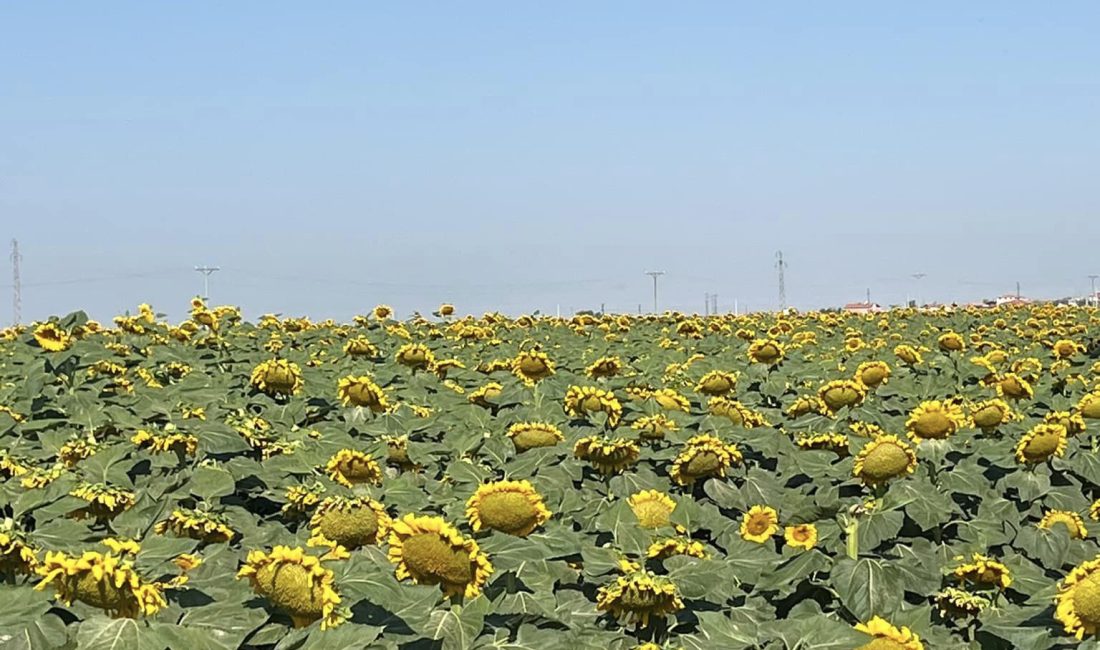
(852, 531)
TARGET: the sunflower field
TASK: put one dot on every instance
(798, 481)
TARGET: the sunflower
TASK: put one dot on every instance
(430, 551)
(415, 355)
(485, 395)
(805, 406)
(716, 382)
(351, 522)
(52, 338)
(759, 524)
(104, 502)
(17, 555)
(953, 602)
(842, 393)
(654, 427)
(1073, 422)
(735, 412)
(803, 536)
(170, 441)
(604, 367)
(887, 637)
(608, 456)
(382, 312)
(951, 342)
(1014, 387)
(983, 572)
(1089, 405)
(532, 435)
(204, 526)
(934, 420)
(883, 459)
(349, 467)
(512, 507)
(670, 400)
(873, 374)
(1066, 348)
(908, 355)
(704, 456)
(652, 508)
(76, 450)
(532, 366)
(296, 583)
(767, 351)
(835, 442)
(1040, 443)
(637, 597)
(362, 391)
(104, 580)
(1094, 510)
(990, 414)
(665, 548)
(1077, 605)
(300, 499)
(580, 401)
(1070, 520)
(360, 347)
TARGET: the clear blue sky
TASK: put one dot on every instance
(330, 156)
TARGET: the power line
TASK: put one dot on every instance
(780, 265)
(17, 289)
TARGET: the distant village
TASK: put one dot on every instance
(1007, 300)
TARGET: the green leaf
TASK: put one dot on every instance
(867, 587)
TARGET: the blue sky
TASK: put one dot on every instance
(520, 156)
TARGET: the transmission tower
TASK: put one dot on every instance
(206, 271)
(780, 265)
(655, 275)
(16, 285)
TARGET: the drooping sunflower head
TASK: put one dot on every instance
(104, 580)
(638, 597)
(951, 342)
(934, 420)
(716, 382)
(104, 502)
(803, 536)
(908, 355)
(1071, 521)
(735, 412)
(1089, 405)
(351, 522)
(873, 374)
(670, 400)
(512, 507)
(1077, 605)
(486, 395)
(531, 435)
(415, 355)
(671, 546)
(446, 309)
(883, 459)
(362, 391)
(532, 366)
(51, 337)
(300, 499)
(990, 414)
(350, 467)
(607, 455)
(759, 524)
(604, 367)
(953, 602)
(295, 583)
(428, 550)
(580, 401)
(18, 556)
(704, 456)
(983, 571)
(1066, 348)
(652, 508)
(1073, 422)
(201, 525)
(360, 346)
(1013, 386)
(1042, 442)
(887, 637)
(835, 442)
(841, 393)
(654, 427)
(805, 405)
(767, 351)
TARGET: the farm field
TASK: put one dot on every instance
(816, 480)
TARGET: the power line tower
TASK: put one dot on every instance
(655, 275)
(1092, 296)
(780, 266)
(16, 284)
(206, 271)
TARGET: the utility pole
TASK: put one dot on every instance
(868, 297)
(918, 277)
(206, 271)
(706, 304)
(1092, 296)
(714, 304)
(1017, 290)
(780, 265)
(655, 275)
(17, 288)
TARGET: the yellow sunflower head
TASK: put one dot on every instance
(532, 366)
(803, 536)
(805, 406)
(607, 455)
(1089, 406)
(1013, 386)
(362, 391)
(580, 401)
(704, 456)
(18, 556)
(654, 427)
(104, 580)
(953, 602)
(1067, 348)
(512, 507)
(934, 420)
(295, 583)
(1042, 442)
(201, 525)
(415, 355)
(735, 412)
(835, 442)
(908, 355)
(360, 346)
(104, 502)
(1069, 520)
(668, 547)
(1073, 422)
(531, 435)
(951, 342)
(51, 337)
(638, 597)
(873, 374)
(486, 395)
(842, 393)
(351, 522)
(350, 467)
(446, 309)
(604, 367)
(887, 637)
(883, 459)
(277, 377)
(767, 351)
(382, 312)
(429, 551)
(759, 524)
(984, 572)
(716, 382)
(670, 400)
(1077, 605)
(652, 508)
(990, 414)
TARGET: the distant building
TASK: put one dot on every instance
(863, 308)
(1012, 300)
